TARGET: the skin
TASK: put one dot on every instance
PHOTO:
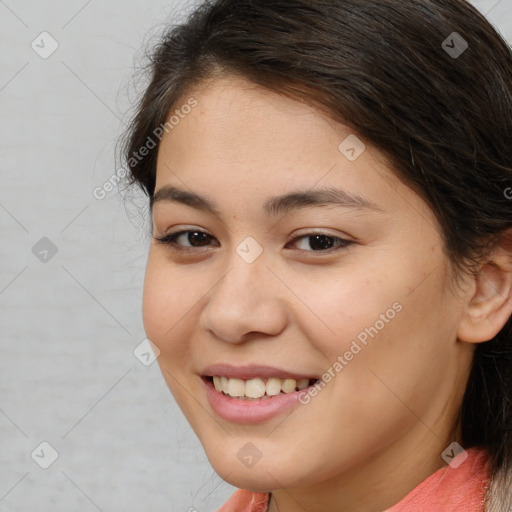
(379, 427)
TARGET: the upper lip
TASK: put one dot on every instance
(252, 371)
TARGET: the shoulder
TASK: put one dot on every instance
(458, 487)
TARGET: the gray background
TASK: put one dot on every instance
(70, 321)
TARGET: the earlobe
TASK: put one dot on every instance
(490, 305)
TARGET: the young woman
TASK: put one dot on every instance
(330, 279)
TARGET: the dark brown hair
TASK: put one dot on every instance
(438, 105)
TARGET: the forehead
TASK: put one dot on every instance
(246, 143)
(238, 126)
(236, 113)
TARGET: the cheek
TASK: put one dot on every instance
(340, 306)
(168, 300)
(156, 295)
(395, 322)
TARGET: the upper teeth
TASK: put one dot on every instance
(256, 388)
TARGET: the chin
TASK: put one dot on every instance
(261, 476)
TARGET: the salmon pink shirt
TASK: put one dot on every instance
(449, 489)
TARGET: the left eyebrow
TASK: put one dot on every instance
(321, 197)
(282, 204)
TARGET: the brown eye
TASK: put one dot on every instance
(188, 240)
(195, 238)
(321, 242)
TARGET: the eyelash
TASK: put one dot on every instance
(170, 240)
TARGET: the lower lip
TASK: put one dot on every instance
(249, 411)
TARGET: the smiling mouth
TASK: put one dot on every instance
(258, 388)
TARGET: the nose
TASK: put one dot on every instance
(247, 299)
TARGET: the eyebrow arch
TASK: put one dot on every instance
(275, 205)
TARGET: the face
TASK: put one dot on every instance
(346, 284)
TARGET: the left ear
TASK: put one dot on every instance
(490, 305)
